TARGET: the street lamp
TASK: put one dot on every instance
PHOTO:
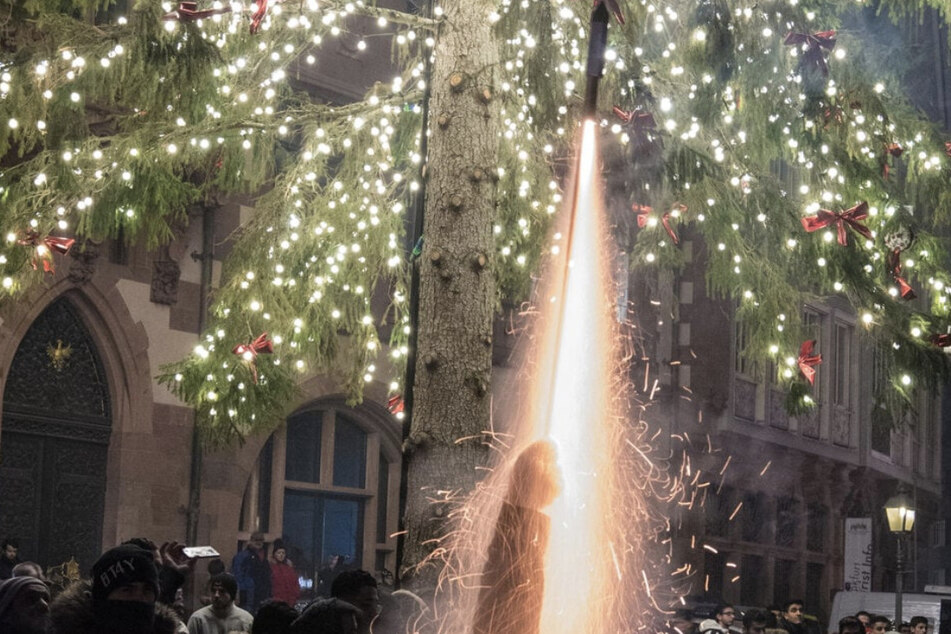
(901, 518)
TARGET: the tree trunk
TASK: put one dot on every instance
(456, 284)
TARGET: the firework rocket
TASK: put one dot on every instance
(597, 46)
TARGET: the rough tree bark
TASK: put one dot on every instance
(457, 282)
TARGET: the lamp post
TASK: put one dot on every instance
(901, 518)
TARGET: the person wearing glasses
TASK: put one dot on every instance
(722, 621)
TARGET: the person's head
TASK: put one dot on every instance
(216, 567)
(682, 622)
(879, 624)
(919, 625)
(273, 617)
(9, 549)
(24, 606)
(359, 589)
(851, 625)
(327, 616)
(535, 480)
(224, 589)
(905, 628)
(29, 569)
(124, 589)
(792, 611)
(178, 605)
(146, 544)
(256, 542)
(775, 610)
(279, 552)
(864, 618)
(755, 622)
(725, 614)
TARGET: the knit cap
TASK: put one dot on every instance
(121, 566)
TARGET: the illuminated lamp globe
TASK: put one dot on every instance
(900, 513)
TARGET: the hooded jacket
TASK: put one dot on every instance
(72, 613)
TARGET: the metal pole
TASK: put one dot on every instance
(207, 255)
(899, 563)
(416, 234)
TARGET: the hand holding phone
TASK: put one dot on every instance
(200, 552)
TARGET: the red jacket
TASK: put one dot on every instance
(284, 584)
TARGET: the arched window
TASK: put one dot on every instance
(327, 483)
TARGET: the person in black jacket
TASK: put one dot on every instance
(8, 558)
(120, 598)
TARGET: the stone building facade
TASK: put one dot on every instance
(772, 491)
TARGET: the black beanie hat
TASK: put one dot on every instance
(227, 582)
(121, 566)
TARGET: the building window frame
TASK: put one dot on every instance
(378, 551)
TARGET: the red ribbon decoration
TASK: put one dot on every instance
(947, 148)
(841, 219)
(643, 215)
(814, 43)
(639, 118)
(258, 16)
(941, 341)
(892, 149)
(894, 263)
(250, 351)
(833, 113)
(395, 404)
(189, 12)
(52, 243)
(808, 361)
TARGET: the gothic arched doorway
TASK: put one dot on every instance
(57, 420)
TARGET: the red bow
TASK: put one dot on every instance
(894, 263)
(395, 404)
(813, 47)
(941, 341)
(258, 16)
(808, 361)
(833, 113)
(643, 215)
(250, 351)
(638, 118)
(188, 12)
(892, 149)
(52, 244)
(840, 219)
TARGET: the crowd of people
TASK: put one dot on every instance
(136, 588)
(790, 619)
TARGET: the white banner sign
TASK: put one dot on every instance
(858, 554)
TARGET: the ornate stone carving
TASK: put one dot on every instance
(744, 395)
(35, 386)
(809, 423)
(842, 426)
(165, 275)
(87, 432)
(84, 262)
(778, 417)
